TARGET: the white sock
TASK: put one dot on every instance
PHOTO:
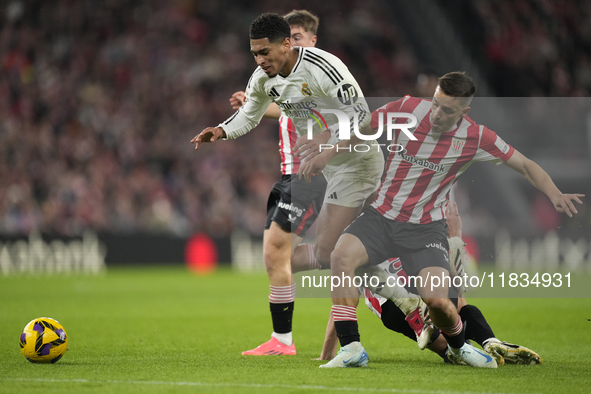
(285, 339)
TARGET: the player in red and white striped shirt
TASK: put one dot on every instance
(394, 312)
(419, 178)
(407, 217)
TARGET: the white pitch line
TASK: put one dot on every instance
(251, 385)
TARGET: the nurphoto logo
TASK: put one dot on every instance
(345, 128)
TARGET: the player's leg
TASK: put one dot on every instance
(391, 284)
(317, 256)
(394, 319)
(432, 264)
(363, 241)
(478, 329)
(276, 253)
(277, 250)
(303, 258)
(416, 315)
(332, 221)
(348, 255)
(348, 189)
(310, 195)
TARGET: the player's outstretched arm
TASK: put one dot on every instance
(542, 181)
(329, 347)
(239, 98)
(210, 134)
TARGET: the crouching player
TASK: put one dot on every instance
(394, 313)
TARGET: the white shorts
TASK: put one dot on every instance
(350, 185)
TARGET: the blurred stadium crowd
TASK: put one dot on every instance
(527, 47)
(99, 99)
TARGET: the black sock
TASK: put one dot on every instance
(394, 319)
(347, 331)
(475, 325)
(456, 341)
(281, 314)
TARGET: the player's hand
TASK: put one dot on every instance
(454, 221)
(312, 167)
(210, 134)
(564, 203)
(329, 348)
(308, 149)
(237, 100)
(324, 356)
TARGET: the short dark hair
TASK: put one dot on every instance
(457, 84)
(307, 20)
(271, 26)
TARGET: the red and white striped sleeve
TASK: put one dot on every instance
(492, 148)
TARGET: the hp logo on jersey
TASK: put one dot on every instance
(347, 94)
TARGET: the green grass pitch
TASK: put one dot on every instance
(144, 330)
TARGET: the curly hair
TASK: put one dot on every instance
(271, 26)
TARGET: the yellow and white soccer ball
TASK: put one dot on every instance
(43, 340)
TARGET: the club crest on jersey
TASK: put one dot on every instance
(457, 145)
(306, 90)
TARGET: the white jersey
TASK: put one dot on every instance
(318, 81)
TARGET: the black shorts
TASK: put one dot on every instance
(294, 204)
(418, 245)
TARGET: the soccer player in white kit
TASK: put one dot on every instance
(303, 82)
(288, 217)
(407, 219)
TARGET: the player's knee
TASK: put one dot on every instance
(275, 256)
(342, 261)
(269, 255)
(436, 303)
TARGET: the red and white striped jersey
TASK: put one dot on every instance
(373, 301)
(419, 177)
(290, 164)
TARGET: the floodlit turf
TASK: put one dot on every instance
(166, 330)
